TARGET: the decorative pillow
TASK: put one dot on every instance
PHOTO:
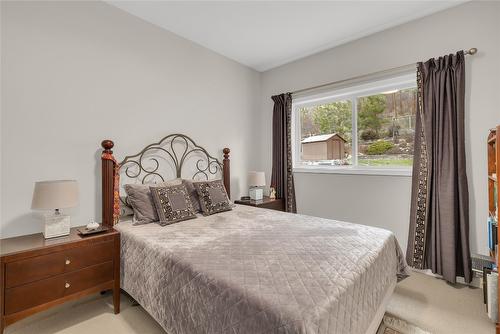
(193, 194)
(141, 201)
(172, 204)
(125, 208)
(213, 197)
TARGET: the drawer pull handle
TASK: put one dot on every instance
(67, 285)
(68, 261)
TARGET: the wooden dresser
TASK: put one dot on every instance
(38, 273)
(266, 203)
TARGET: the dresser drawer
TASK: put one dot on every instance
(276, 205)
(33, 294)
(40, 267)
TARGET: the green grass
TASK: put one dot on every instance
(386, 162)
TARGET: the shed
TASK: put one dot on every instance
(323, 147)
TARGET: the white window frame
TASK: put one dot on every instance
(351, 93)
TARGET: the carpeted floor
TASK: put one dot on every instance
(440, 308)
(423, 301)
(393, 325)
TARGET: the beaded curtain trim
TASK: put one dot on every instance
(418, 257)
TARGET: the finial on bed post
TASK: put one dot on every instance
(107, 144)
(226, 171)
(107, 182)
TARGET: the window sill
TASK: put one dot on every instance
(353, 170)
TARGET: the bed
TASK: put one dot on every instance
(248, 270)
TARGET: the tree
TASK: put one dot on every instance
(309, 128)
(334, 117)
(371, 109)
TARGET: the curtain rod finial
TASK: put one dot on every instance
(472, 51)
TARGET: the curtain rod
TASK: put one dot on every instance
(471, 51)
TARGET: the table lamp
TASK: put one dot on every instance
(256, 180)
(55, 195)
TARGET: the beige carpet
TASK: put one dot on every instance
(437, 307)
(393, 325)
(422, 301)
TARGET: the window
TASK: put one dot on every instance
(365, 128)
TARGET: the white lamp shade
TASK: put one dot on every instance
(57, 194)
(256, 179)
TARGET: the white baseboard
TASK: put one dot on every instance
(476, 281)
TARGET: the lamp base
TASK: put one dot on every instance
(256, 194)
(56, 225)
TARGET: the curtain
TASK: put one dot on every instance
(439, 222)
(282, 176)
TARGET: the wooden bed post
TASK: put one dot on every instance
(107, 184)
(226, 174)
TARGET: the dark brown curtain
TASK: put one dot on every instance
(282, 176)
(439, 223)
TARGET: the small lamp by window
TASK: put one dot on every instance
(55, 195)
(256, 180)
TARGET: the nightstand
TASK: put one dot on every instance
(266, 202)
(38, 273)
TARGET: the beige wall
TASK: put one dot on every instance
(384, 200)
(74, 73)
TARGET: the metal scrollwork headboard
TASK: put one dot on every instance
(174, 156)
(177, 149)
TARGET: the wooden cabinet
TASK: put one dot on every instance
(493, 198)
(266, 203)
(38, 273)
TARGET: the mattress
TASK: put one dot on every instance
(253, 270)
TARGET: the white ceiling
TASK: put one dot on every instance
(266, 34)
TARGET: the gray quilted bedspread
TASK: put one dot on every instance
(255, 271)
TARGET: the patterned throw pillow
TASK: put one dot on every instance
(213, 197)
(193, 194)
(140, 199)
(172, 204)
